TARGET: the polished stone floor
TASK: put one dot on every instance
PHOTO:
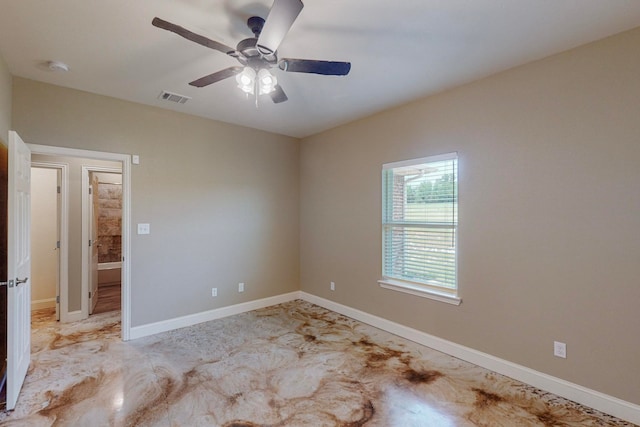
(294, 364)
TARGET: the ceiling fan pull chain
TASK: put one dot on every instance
(256, 92)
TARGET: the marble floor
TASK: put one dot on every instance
(294, 364)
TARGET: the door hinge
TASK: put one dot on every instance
(58, 244)
(90, 190)
(89, 295)
(89, 242)
(57, 299)
(59, 189)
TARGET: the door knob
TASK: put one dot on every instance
(20, 281)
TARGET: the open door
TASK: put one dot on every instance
(94, 201)
(58, 237)
(18, 267)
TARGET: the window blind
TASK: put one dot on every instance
(419, 221)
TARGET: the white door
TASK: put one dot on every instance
(93, 232)
(18, 267)
(58, 237)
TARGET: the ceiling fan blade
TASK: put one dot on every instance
(281, 17)
(278, 95)
(327, 68)
(160, 23)
(216, 77)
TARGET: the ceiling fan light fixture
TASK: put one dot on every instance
(246, 80)
(266, 81)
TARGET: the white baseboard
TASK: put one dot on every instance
(608, 404)
(205, 316)
(72, 316)
(43, 303)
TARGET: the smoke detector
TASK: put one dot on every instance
(57, 66)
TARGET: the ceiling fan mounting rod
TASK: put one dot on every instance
(255, 24)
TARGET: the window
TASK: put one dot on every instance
(419, 227)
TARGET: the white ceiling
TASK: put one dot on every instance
(400, 50)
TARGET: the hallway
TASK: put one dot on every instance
(109, 298)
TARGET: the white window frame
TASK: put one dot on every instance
(425, 290)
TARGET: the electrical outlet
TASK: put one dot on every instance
(333, 286)
(214, 292)
(560, 349)
(240, 287)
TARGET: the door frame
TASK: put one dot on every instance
(63, 226)
(86, 230)
(126, 218)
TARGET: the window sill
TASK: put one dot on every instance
(414, 289)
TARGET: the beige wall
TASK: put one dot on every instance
(549, 224)
(222, 200)
(44, 235)
(549, 239)
(75, 218)
(5, 101)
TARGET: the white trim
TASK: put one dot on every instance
(74, 316)
(52, 150)
(411, 162)
(594, 399)
(84, 239)
(109, 265)
(421, 291)
(39, 304)
(64, 231)
(126, 248)
(126, 222)
(206, 316)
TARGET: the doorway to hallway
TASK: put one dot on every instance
(104, 222)
(75, 239)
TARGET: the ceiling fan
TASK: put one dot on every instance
(258, 54)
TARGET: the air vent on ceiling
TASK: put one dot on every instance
(173, 97)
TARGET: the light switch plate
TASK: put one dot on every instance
(144, 228)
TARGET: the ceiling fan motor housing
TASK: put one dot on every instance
(250, 55)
